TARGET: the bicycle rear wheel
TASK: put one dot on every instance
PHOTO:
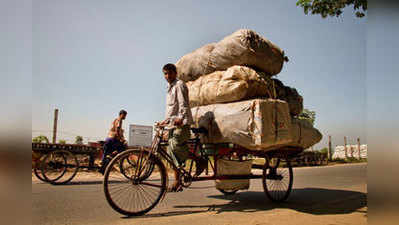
(129, 188)
(277, 180)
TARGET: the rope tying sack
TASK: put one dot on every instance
(275, 121)
(300, 133)
(196, 112)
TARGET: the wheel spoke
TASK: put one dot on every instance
(279, 186)
(59, 167)
(139, 191)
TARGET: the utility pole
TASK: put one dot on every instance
(55, 126)
(329, 148)
(346, 150)
(358, 147)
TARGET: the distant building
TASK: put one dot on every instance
(140, 135)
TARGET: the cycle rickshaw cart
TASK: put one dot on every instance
(137, 179)
(59, 164)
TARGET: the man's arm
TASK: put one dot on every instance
(119, 128)
(184, 106)
(164, 122)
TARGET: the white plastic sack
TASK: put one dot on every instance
(254, 124)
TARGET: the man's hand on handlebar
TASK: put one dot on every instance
(163, 123)
(178, 122)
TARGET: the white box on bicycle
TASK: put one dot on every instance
(233, 167)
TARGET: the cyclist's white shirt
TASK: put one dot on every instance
(177, 103)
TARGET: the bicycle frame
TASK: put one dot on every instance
(157, 150)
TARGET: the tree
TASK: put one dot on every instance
(308, 115)
(323, 151)
(62, 141)
(332, 7)
(79, 140)
(40, 139)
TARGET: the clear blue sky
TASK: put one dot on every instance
(92, 58)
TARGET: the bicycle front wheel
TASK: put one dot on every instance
(129, 188)
(148, 169)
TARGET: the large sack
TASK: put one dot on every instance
(243, 47)
(304, 134)
(230, 167)
(254, 124)
(241, 83)
(290, 95)
(234, 84)
(196, 63)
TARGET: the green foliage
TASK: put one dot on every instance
(62, 141)
(323, 150)
(349, 160)
(308, 115)
(79, 140)
(332, 7)
(40, 139)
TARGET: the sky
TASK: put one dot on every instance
(92, 58)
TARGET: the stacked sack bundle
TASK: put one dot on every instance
(233, 95)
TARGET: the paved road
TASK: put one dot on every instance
(318, 191)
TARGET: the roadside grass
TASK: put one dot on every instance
(348, 160)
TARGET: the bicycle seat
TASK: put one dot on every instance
(200, 130)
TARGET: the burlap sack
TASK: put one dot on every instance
(290, 95)
(229, 167)
(194, 64)
(241, 83)
(254, 124)
(243, 47)
(234, 84)
(304, 134)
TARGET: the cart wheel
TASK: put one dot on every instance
(128, 192)
(228, 192)
(277, 181)
(59, 167)
(37, 170)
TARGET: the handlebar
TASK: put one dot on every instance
(163, 126)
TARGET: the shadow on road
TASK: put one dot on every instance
(86, 182)
(316, 201)
(173, 213)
